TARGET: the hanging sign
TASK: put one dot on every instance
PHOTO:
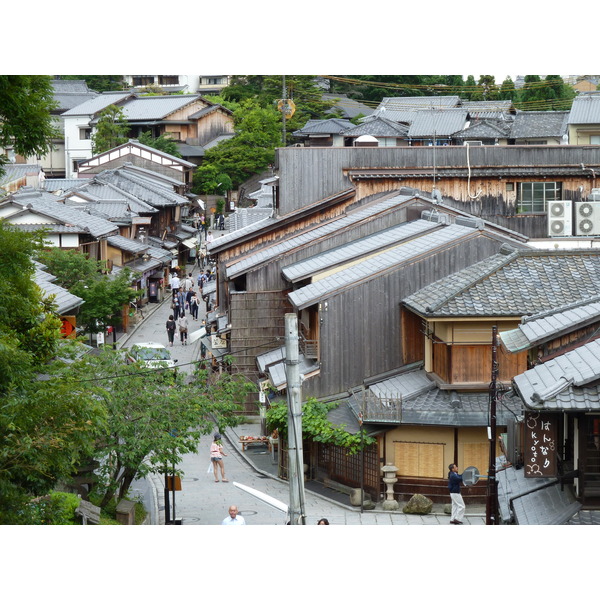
(540, 445)
(287, 107)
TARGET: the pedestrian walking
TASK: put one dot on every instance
(209, 237)
(176, 306)
(216, 458)
(182, 322)
(458, 504)
(194, 305)
(175, 282)
(234, 517)
(171, 326)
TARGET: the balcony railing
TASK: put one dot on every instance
(380, 409)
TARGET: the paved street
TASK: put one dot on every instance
(204, 502)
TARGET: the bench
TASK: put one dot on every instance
(247, 440)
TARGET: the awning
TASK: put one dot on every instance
(190, 243)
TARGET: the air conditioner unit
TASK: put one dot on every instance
(594, 195)
(560, 218)
(587, 218)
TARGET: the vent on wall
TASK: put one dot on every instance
(587, 218)
(560, 218)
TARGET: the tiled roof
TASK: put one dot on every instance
(47, 204)
(324, 127)
(514, 283)
(485, 128)
(157, 196)
(129, 245)
(547, 325)
(568, 382)
(64, 300)
(272, 364)
(348, 106)
(539, 124)
(423, 403)
(378, 127)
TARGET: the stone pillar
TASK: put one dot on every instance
(389, 478)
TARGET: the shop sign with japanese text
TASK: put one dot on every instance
(540, 445)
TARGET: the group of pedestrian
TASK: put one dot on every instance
(184, 299)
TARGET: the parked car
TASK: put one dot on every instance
(152, 354)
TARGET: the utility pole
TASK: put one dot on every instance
(294, 404)
(492, 489)
(283, 112)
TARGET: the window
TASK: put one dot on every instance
(139, 80)
(168, 79)
(594, 139)
(533, 196)
(85, 133)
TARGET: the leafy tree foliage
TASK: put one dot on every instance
(46, 424)
(111, 130)
(153, 416)
(26, 103)
(250, 151)
(162, 142)
(315, 425)
(104, 295)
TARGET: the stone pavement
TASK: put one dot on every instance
(204, 502)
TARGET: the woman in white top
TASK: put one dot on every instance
(216, 457)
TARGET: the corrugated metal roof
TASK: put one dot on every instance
(374, 266)
(97, 104)
(357, 249)
(261, 256)
(437, 123)
(156, 107)
(514, 284)
(568, 382)
(585, 109)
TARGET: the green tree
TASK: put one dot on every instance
(507, 90)
(252, 149)
(26, 124)
(153, 416)
(104, 295)
(111, 130)
(163, 143)
(46, 424)
(315, 425)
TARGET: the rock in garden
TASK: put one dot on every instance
(418, 505)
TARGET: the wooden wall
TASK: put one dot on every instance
(320, 172)
(361, 330)
(257, 326)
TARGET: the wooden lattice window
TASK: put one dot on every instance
(419, 459)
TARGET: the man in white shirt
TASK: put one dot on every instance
(234, 518)
(175, 282)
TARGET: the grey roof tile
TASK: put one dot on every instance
(513, 284)
(585, 109)
(568, 382)
(438, 123)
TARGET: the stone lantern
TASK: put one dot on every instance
(389, 478)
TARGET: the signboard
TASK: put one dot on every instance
(540, 445)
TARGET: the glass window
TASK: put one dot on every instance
(533, 196)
